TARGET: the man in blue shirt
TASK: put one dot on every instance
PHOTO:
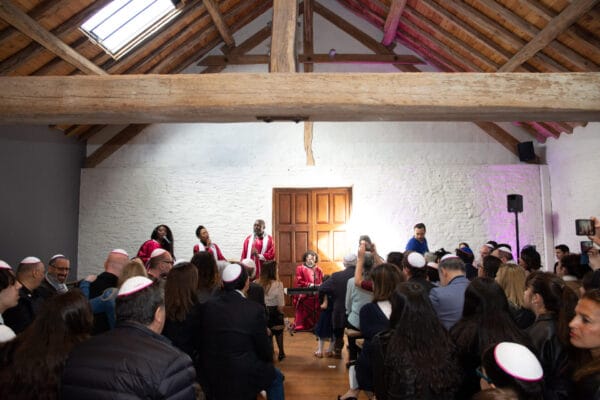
(418, 242)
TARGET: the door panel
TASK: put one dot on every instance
(309, 219)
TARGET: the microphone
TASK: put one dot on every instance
(166, 239)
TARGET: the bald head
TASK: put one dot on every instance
(115, 262)
(31, 275)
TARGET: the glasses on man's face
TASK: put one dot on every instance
(61, 269)
(169, 262)
(483, 376)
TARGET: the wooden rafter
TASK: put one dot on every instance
(331, 97)
(566, 18)
(307, 32)
(114, 144)
(219, 21)
(502, 136)
(248, 59)
(283, 38)
(391, 22)
(29, 27)
(308, 137)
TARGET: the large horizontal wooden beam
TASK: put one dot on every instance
(333, 58)
(319, 97)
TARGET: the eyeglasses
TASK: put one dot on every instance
(483, 376)
(169, 262)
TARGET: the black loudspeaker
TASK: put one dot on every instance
(526, 152)
(515, 203)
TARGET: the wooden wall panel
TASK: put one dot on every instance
(285, 209)
(284, 242)
(302, 208)
(322, 216)
(301, 245)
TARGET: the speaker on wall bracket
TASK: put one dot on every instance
(526, 152)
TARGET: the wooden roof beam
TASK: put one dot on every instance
(502, 136)
(566, 18)
(307, 33)
(219, 21)
(115, 143)
(283, 38)
(248, 59)
(240, 97)
(390, 28)
(28, 26)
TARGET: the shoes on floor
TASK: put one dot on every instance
(318, 354)
(281, 356)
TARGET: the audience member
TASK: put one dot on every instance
(308, 274)
(596, 237)
(591, 280)
(594, 258)
(530, 259)
(9, 297)
(113, 267)
(31, 365)
(513, 367)
(572, 271)
(447, 299)
(560, 251)
(205, 244)
(141, 362)
(30, 274)
(255, 291)
(159, 264)
(413, 265)
(485, 320)
(511, 279)
(402, 357)
(585, 335)
(182, 309)
(395, 257)
(336, 287)
(418, 242)
(489, 267)
(503, 252)
(553, 304)
(466, 255)
(160, 238)
(259, 246)
(274, 301)
(324, 327)
(236, 353)
(55, 277)
(208, 275)
(485, 250)
(368, 247)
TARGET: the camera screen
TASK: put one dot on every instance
(586, 245)
(584, 227)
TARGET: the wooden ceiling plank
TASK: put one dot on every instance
(283, 38)
(390, 28)
(90, 133)
(307, 35)
(359, 35)
(114, 144)
(249, 59)
(40, 12)
(502, 136)
(554, 127)
(544, 37)
(531, 131)
(219, 21)
(24, 23)
(328, 96)
(250, 43)
(34, 50)
(544, 130)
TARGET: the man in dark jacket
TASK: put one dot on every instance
(235, 351)
(133, 360)
(336, 287)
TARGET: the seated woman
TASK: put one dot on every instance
(308, 274)
(31, 365)
(511, 366)
(585, 336)
(161, 237)
(485, 320)
(553, 303)
(416, 358)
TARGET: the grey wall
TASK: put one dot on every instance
(39, 195)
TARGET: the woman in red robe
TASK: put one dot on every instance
(308, 274)
(161, 237)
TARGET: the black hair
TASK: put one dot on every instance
(420, 225)
(168, 244)
(7, 278)
(531, 258)
(562, 247)
(491, 265)
(198, 229)
(310, 252)
(395, 257)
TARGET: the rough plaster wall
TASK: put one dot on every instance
(573, 163)
(222, 176)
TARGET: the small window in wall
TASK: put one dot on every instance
(123, 24)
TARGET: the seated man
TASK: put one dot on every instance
(235, 351)
(133, 360)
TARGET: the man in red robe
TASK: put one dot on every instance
(205, 244)
(258, 246)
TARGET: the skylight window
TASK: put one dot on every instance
(123, 24)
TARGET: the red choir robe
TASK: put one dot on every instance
(307, 305)
(146, 249)
(213, 249)
(267, 251)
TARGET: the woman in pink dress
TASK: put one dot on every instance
(308, 274)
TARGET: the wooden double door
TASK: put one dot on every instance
(310, 219)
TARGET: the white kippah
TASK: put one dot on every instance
(56, 256)
(491, 246)
(350, 259)
(120, 251)
(134, 284)
(30, 260)
(504, 249)
(448, 256)
(416, 260)
(231, 272)
(157, 252)
(4, 265)
(518, 361)
(432, 264)
(249, 263)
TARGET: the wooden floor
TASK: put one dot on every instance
(308, 377)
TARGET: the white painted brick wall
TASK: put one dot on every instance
(222, 176)
(574, 165)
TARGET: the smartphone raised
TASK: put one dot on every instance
(584, 227)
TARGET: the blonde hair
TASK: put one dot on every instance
(131, 269)
(511, 278)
